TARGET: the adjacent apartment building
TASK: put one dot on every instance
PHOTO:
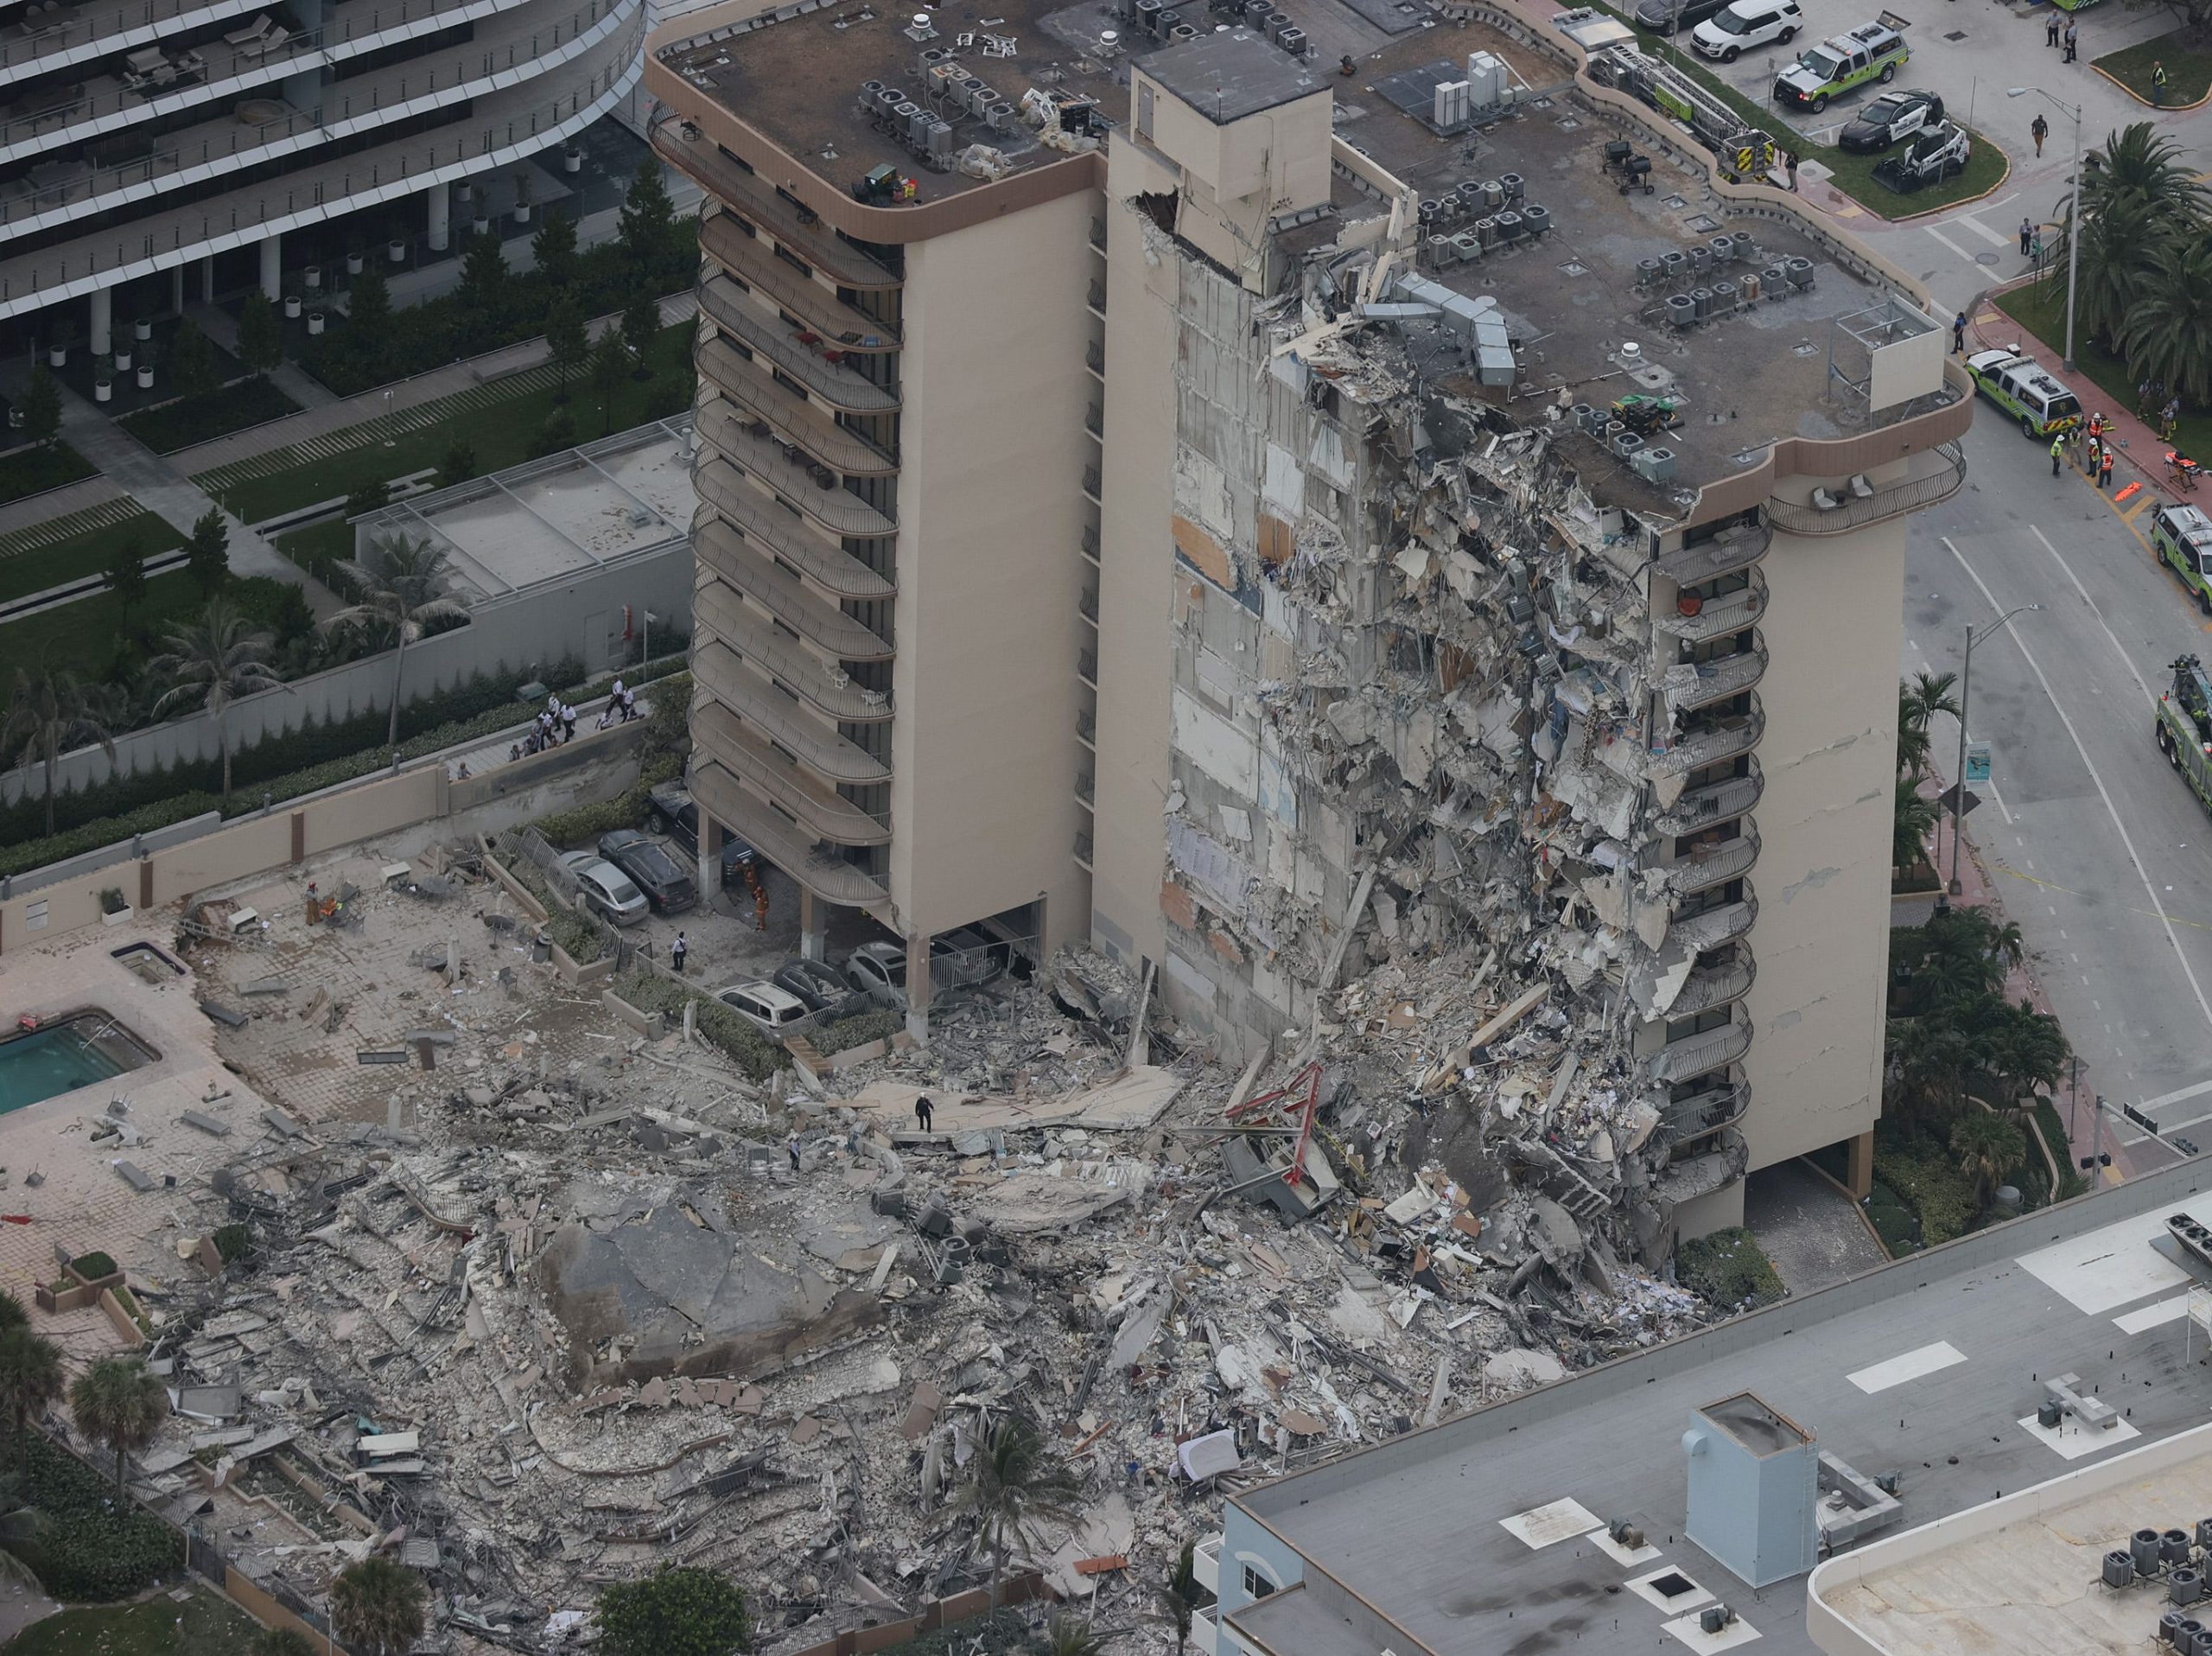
(1248, 487)
(162, 150)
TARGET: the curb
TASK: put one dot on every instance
(1929, 213)
(2163, 109)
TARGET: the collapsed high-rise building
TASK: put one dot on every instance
(1296, 494)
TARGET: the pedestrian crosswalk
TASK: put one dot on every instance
(384, 429)
(106, 515)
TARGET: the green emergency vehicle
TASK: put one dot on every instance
(1870, 52)
(2020, 387)
(2182, 537)
(2184, 727)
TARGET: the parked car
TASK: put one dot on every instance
(668, 887)
(822, 987)
(1870, 52)
(671, 811)
(879, 972)
(1670, 16)
(1742, 24)
(607, 890)
(1893, 116)
(773, 1011)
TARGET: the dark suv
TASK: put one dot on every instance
(1667, 16)
(667, 884)
(670, 810)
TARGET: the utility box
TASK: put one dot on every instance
(1754, 1489)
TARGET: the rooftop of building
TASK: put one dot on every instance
(1228, 75)
(1757, 371)
(624, 495)
(1483, 1534)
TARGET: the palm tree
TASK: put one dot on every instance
(1179, 1592)
(1986, 1145)
(2142, 168)
(2115, 258)
(2027, 1048)
(1926, 1058)
(402, 585)
(2166, 333)
(214, 662)
(1919, 700)
(52, 711)
(1012, 1482)
(1068, 1636)
(21, 1527)
(12, 1315)
(1915, 821)
(377, 1604)
(120, 1403)
(30, 1375)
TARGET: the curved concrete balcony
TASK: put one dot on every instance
(1701, 1054)
(509, 125)
(1684, 1121)
(782, 841)
(79, 33)
(1711, 986)
(748, 636)
(1718, 1162)
(1722, 677)
(1934, 476)
(779, 592)
(773, 341)
(749, 383)
(73, 113)
(1730, 613)
(513, 50)
(1711, 927)
(765, 709)
(1722, 738)
(1733, 549)
(783, 536)
(839, 511)
(746, 751)
(1715, 802)
(1705, 866)
(795, 228)
(756, 265)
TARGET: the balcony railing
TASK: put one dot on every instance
(1705, 866)
(71, 29)
(1733, 549)
(798, 229)
(776, 342)
(1711, 927)
(1090, 541)
(781, 840)
(1701, 807)
(781, 535)
(1717, 617)
(1086, 668)
(1940, 473)
(1082, 851)
(1099, 234)
(1722, 677)
(1087, 603)
(1090, 482)
(1094, 357)
(1703, 1053)
(754, 262)
(1684, 1121)
(746, 638)
(792, 475)
(1086, 727)
(1722, 739)
(1094, 420)
(1097, 297)
(764, 705)
(1086, 787)
(1711, 986)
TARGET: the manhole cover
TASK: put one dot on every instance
(1568, 123)
(1572, 269)
(1702, 225)
(1985, 259)
(1956, 34)
(1676, 202)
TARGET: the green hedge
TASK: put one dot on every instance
(93, 1547)
(722, 1029)
(856, 1031)
(1729, 1268)
(179, 423)
(1927, 1181)
(581, 938)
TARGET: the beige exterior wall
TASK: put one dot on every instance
(1236, 177)
(1137, 571)
(989, 567)
(1833, 625)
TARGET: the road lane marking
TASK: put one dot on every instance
(1948, 243)
(2127, 661)
(1967, 222)
(2088, 764)
(2179, 1095)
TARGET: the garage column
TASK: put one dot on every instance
(709, 873)
(1859, 1165)
(208, 279)
(176, 288)
(813, 927)
(918, 989)
(439, 199)
(103, 334)
(272, 268)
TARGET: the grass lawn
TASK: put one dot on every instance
(30, 470)
(502, 430)
(2188, 71)
(202, 1623)
(179, 423)
(94, 639)
(314, 549)
(1852, 174)
(2040, 309)
(85, 551)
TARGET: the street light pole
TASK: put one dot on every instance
(1965, 696)
(2074, 227)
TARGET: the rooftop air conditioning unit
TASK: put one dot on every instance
(1293, 40)
(1536, 218)
(1654, 465)
(1513, 185)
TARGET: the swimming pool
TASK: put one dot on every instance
(66, 1054)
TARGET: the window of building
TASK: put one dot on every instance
(1257, 1586)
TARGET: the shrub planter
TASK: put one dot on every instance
(126, 1326)
(143, 328)
(355, 263)
(123, 361)
(572, 159)
(146, 377)
(464, 192)
(396, 251)
(74, 1289)
(57, 356)
(316, 320)
(480, 225)
(312, 277)
(115, 908)
(291, 307)
(103, 388)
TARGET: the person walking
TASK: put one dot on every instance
(793, 1148)
(1789, 166)
(680, 950)
(2169, 416)
(2094, 451)
(922, 1112)
(2104, 468)
(2050, 28)
(2039, 129)
(2158, 84)
(760, 908)
(2057, 453)
(2073, 43)
(2027, 238)
(1958, 333)
(567, 722)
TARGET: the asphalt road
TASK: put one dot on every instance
(2095, 846)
